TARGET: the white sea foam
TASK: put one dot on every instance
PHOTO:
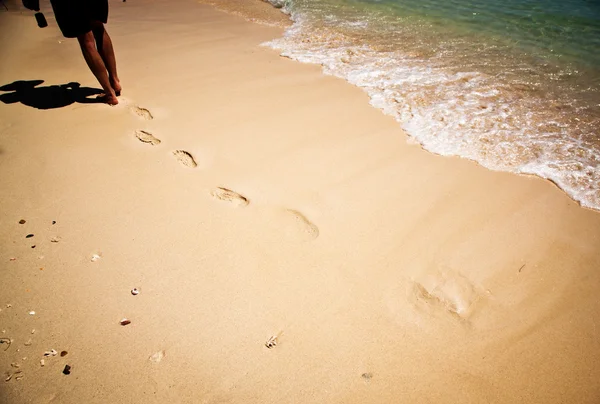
(465, 113)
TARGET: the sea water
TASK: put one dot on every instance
(511, 84)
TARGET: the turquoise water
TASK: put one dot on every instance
(513, 85)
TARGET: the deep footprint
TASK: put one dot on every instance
(185, 158)
(142, 112)
(147, 137)
(230, 196)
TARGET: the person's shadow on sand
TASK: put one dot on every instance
(48, 97)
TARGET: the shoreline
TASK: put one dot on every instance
(256, 12)
(385, 272)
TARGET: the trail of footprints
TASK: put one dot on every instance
(293, 223)
(443, 294)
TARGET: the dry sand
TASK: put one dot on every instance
(387, 274)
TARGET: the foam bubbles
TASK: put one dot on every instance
(463, 96)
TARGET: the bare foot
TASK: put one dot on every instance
(116, 85)
(110, 99)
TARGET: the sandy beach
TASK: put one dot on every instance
(254, 201)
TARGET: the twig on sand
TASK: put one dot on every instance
(522, 266)
(6, 341)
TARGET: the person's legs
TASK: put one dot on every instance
(96, 65)
(107, 53)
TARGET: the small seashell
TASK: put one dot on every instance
(29, 342)
(8, 305)
(42, 363)
(15, 365)
(55, 239)
(51, 352)
(124, 321)
(13, 259)
(32, 313)
(95, 257)
(271, 342)
(8, 377)
(135, 291)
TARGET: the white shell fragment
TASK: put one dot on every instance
(135, 291)
(55, 239)
(32, 313)
(95, 257)
(42, 363)
(157, 356)
(271, 342)
(51, 352)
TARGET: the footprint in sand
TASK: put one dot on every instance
(185, 158)
(445, 293)
(142, 113)
(227, 195)
(147, 137)
(296, 226)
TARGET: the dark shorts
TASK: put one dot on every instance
(74, 17)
